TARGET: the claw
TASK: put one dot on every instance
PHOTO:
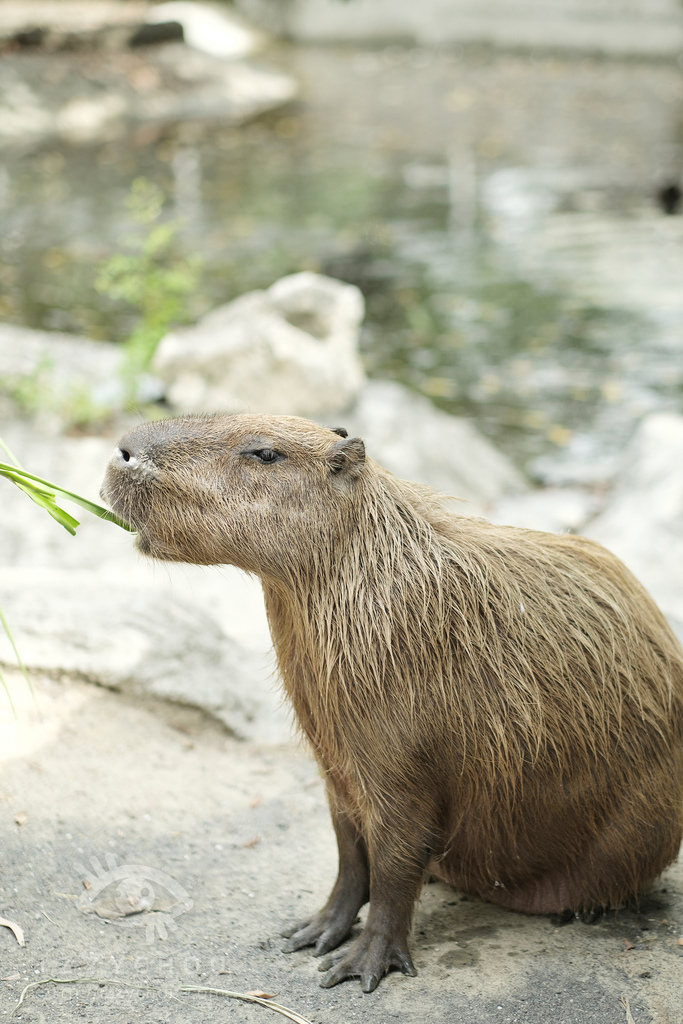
(324, 944)
(330, 961)
(292, 927)
(369, 982)
(299, 940)
(405, 964)
(333, 977)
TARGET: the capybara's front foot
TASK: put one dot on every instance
(325, 930)
(369, 958)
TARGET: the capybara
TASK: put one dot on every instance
(501, 708)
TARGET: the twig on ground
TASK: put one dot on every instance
(627, 1006)
(291, 1014)
(80, 981)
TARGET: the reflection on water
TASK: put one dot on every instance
(499, 213)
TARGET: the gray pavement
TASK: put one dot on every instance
(235, 837)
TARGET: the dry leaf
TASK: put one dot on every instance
(260, 994)
(628, 944)
(255, 801)
(86, 884)
(18, 933)
(252, 843)
(11, 977)
(21, 817)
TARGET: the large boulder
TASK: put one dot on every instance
(142, 641)
(405, 433)
(210, 29)
(292, 349)
(643, 520)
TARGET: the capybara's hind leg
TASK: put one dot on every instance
(332, 924)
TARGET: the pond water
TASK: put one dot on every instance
(498, 211)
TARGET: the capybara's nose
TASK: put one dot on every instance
(126, 455)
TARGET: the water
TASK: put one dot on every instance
(498, 211)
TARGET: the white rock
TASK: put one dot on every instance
(292, 349)
(552, 509)
(643, 521)
(407, 434)
(145, 643)
(212, 30)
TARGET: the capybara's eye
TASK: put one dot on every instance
(267, 455)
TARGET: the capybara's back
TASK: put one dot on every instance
(501, 707)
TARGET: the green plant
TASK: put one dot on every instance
(45, 494)
(39, 392)
(151, 277)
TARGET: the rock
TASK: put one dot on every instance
(69, 24)
(126, 639)
(292, 349)
(197, 85)
(407, 434)
(157, 32)
(643, 520)
(65, 375)
(111, 24)
(95, 99)
(552, 509)
(211, 30)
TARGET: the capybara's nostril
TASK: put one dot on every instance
(127, 455)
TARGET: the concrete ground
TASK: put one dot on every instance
(234, 839)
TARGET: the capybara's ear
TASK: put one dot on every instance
(346, 456)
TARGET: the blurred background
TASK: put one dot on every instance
(500, 180)
(473, 211)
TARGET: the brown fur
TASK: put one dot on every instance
(501, 706)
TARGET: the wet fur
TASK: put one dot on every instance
(500, 706)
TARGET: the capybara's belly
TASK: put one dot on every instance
(573, 846)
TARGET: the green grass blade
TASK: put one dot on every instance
(3, 683)
(15, 474)
(10, 454)
(46, 501)
(24, 671)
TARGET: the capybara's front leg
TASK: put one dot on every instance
(394, 887)
(332, 924)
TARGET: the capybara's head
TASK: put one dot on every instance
(259, 492)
